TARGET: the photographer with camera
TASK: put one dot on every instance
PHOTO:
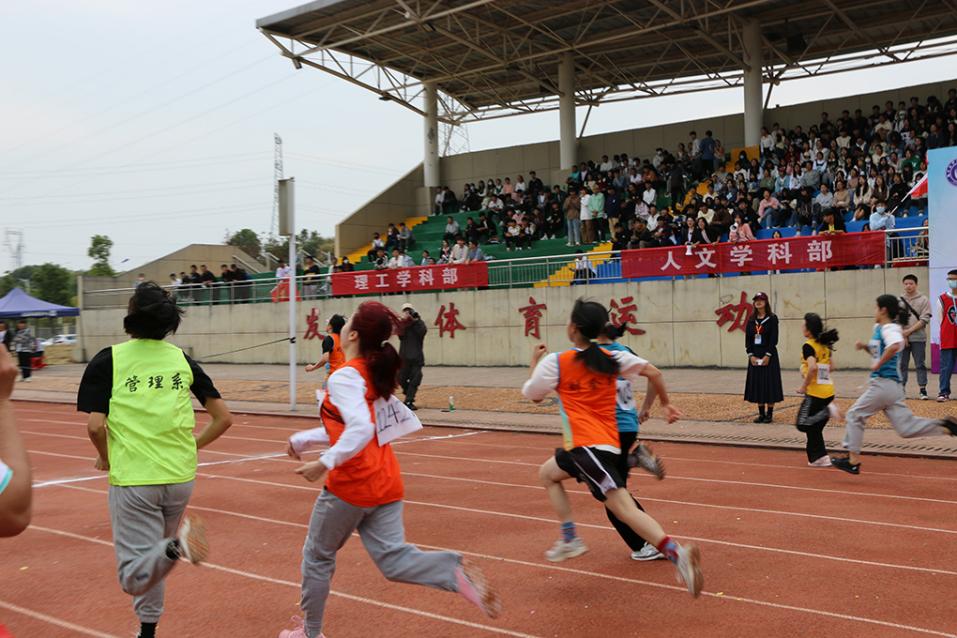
(411, 352)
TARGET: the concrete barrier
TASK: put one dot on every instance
(679, 320)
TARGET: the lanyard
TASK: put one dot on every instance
(759, 325)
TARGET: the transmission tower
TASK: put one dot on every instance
(277, 174)
(13, 241)
(454, 139)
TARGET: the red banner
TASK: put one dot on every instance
(441, 277)
(792, 253)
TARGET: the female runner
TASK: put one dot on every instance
(585, 379)
(363, 484)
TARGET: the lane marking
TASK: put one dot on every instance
(289, 583)
(578, 572)
(533, 518)
(705, 480)
(53, 620)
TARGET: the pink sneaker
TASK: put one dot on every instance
(298, 632)
(473, 586)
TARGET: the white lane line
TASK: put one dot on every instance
(243, 458)
(289, 583)
(777, 466)
(600, 575)
(53, 620)
(704, 480)
(777, 550)
(534, 518)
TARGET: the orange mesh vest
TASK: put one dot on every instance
(588, 402)
(372, 477)
(337, 357)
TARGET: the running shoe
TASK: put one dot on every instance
(193, 545)
(943, 398)
(563, 550)
(923, 394)
(689, 569)
(834, 412)
(299, 631)
(844, 464)
(647, 552)
(475, 588)
(647, 460)
(824, 461)
(950, 424)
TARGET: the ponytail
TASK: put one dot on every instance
(815, 325)
(597, 360)
(375, 324)
(614, 332)
(591, 319)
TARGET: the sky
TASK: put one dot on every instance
(153, 123)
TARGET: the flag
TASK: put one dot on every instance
(919, 189)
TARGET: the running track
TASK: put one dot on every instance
(788, 550)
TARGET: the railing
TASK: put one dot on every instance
(904, 247)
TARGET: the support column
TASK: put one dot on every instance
(430, 163)
(568, 139)
(753, 98)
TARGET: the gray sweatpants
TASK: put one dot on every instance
(383, 534)
(145, 519)
(917, 349)
(886, 395)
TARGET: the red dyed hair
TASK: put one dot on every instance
(375, 323)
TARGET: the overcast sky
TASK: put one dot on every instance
(153, 122)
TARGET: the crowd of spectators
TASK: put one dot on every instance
(856, 167)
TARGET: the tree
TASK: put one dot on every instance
(247, 241)
(308, 242)
(53, 283)
(100, 247)
(50, 282)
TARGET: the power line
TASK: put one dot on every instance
(148, 193)
(136, 167)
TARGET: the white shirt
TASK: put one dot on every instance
(585, 214)
(283, 272)
(347, 391)
(649, 196)
(459, 254)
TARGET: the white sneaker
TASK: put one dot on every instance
(648, 552)
(647, 460)
(193, 545)
(689, 569)
(824, 461)
(834, 411)
(563, 551)
(28, 380)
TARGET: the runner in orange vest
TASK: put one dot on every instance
(363, 483)
(585, 379)
(332, 355)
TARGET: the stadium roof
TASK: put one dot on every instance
(496, 58)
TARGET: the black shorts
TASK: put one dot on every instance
(598, 469)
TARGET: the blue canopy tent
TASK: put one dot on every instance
(18, 304)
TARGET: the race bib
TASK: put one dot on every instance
(393, 420)
(626, 396)
(824, 374)
(757, 340)
(6, 475)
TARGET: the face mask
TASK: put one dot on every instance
(880, 209)
(952, 283)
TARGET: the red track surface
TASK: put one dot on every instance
(788, 550)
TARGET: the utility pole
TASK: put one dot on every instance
(287, 226)
(13, 241)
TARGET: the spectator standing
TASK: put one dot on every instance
(573, 219)
(914, 317)
(596, 204)
(311, 278)
(763, 385)
(947, 311)
(587, 217)
(24, 344)
(412, 353)
(226, 283)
